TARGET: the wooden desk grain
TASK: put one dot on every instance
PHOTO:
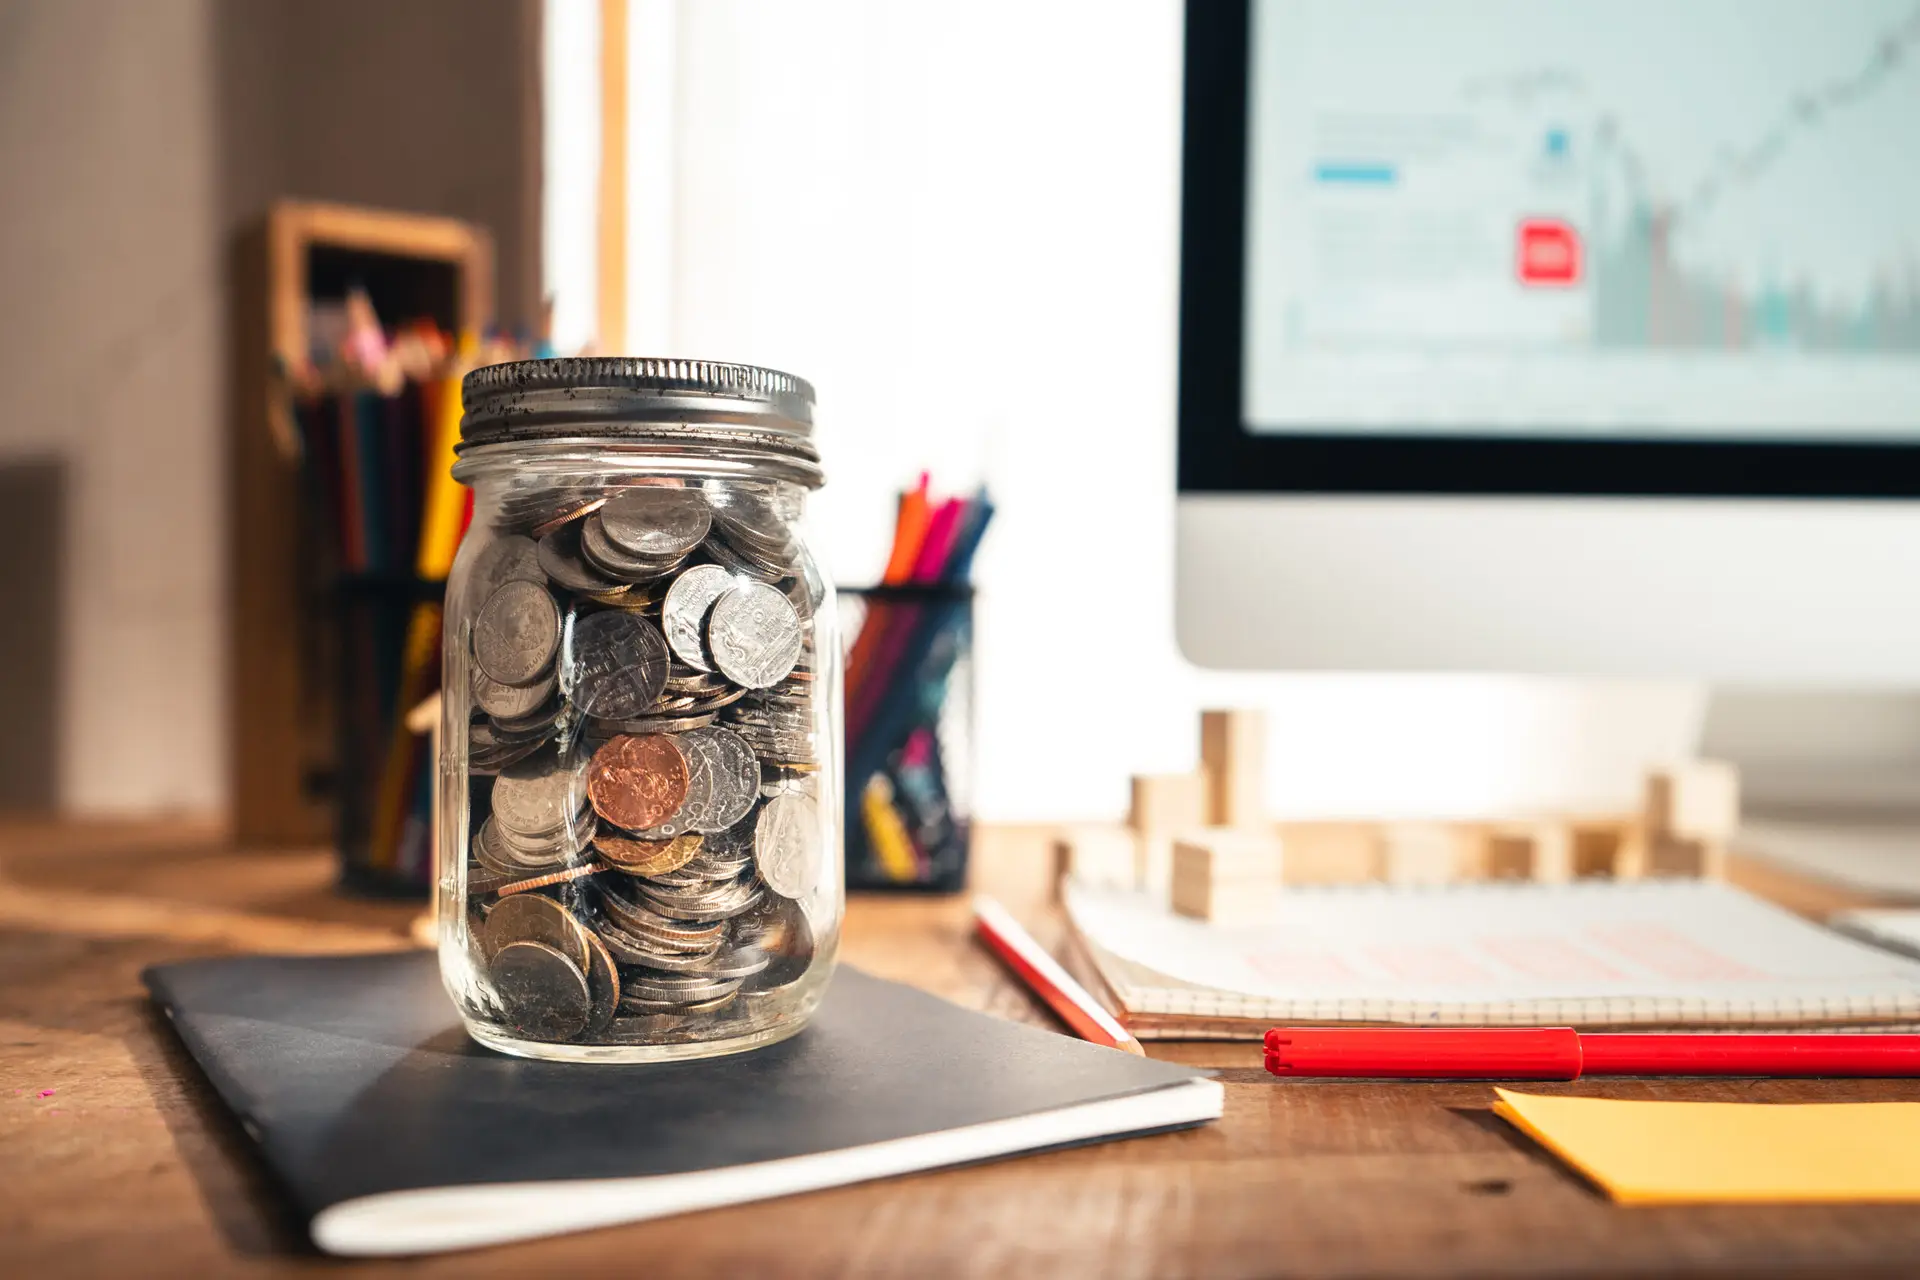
(116, 1159)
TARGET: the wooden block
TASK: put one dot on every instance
(1542, 851)
(1416, 853)
(1228, 855)
(1226, 878)
(1233, 756)
(1168, 803)
(1153, 864)
(1103, 856)
(1697, 799)
(1606, 850)
(1231, 905)
(1699, 859)
(1329, 853)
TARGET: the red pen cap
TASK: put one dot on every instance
(1422, 1053)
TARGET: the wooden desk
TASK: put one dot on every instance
(116, 1159)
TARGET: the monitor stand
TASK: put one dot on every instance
(1830, 782)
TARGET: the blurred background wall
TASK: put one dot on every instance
(963, 231)
(964, 227)
(136, 139)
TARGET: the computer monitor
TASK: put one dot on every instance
(1577, 338)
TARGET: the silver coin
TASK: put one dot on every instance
(754, 635)
(603, 728)
(786, 844)
(543, 993)
(498, 561)
(747, 518)
(516, 633)
(559, 556)
(684, 611)
(507, 701)
(735, 777)
(539, 795)
(712, 902)
(737, 962)
(686, 988)
(486, 851)
(657, 521)
(740, 565)
(617, 665)
(565, 844)
(703, 758)
(603, 554)
(629, 947)
(782, 930)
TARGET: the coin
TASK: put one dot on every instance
(647, 857)
(603, 981)
(568, 513)
(677, 987)
(544, 993)
(656, 522)
(538, 796)
(554, 877)
(603, 554)
(618, 664)
(483, 880)
(754, 635)
(748, 519)
(730, 774)
(498, 561)
(741, 566)
(650, 724)
(684, 612)
(506, 701)
(631, 948)
(786, 844)
(532, 917)
(740, 962)
(714, 901)
(781, 929)
(560, 560)
(637, 782)
(516, 633)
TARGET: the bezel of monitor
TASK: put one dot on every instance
(1218, 455)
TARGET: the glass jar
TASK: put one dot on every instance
(640, 851)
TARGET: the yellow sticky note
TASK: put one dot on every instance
(1677, 1152)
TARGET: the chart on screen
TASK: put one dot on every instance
(1629, 218)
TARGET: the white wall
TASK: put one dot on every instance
(110, 355)
(962, 223)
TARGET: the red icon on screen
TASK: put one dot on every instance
(1548, 252)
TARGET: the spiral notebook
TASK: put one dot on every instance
(1592, 954)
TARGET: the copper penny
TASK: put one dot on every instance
(638, 781)
(555, 877)
(648, 857)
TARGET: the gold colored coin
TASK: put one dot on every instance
(528, 917)
(648, 857)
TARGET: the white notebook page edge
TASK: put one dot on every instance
(439, 1219)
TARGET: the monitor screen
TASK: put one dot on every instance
(1607, 246)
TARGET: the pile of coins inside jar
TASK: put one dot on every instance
(645, 828)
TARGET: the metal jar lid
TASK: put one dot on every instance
(683, 405)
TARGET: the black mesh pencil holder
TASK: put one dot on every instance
(909, 708)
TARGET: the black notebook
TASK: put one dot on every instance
(394, 1133)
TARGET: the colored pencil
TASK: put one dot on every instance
(995, 926)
